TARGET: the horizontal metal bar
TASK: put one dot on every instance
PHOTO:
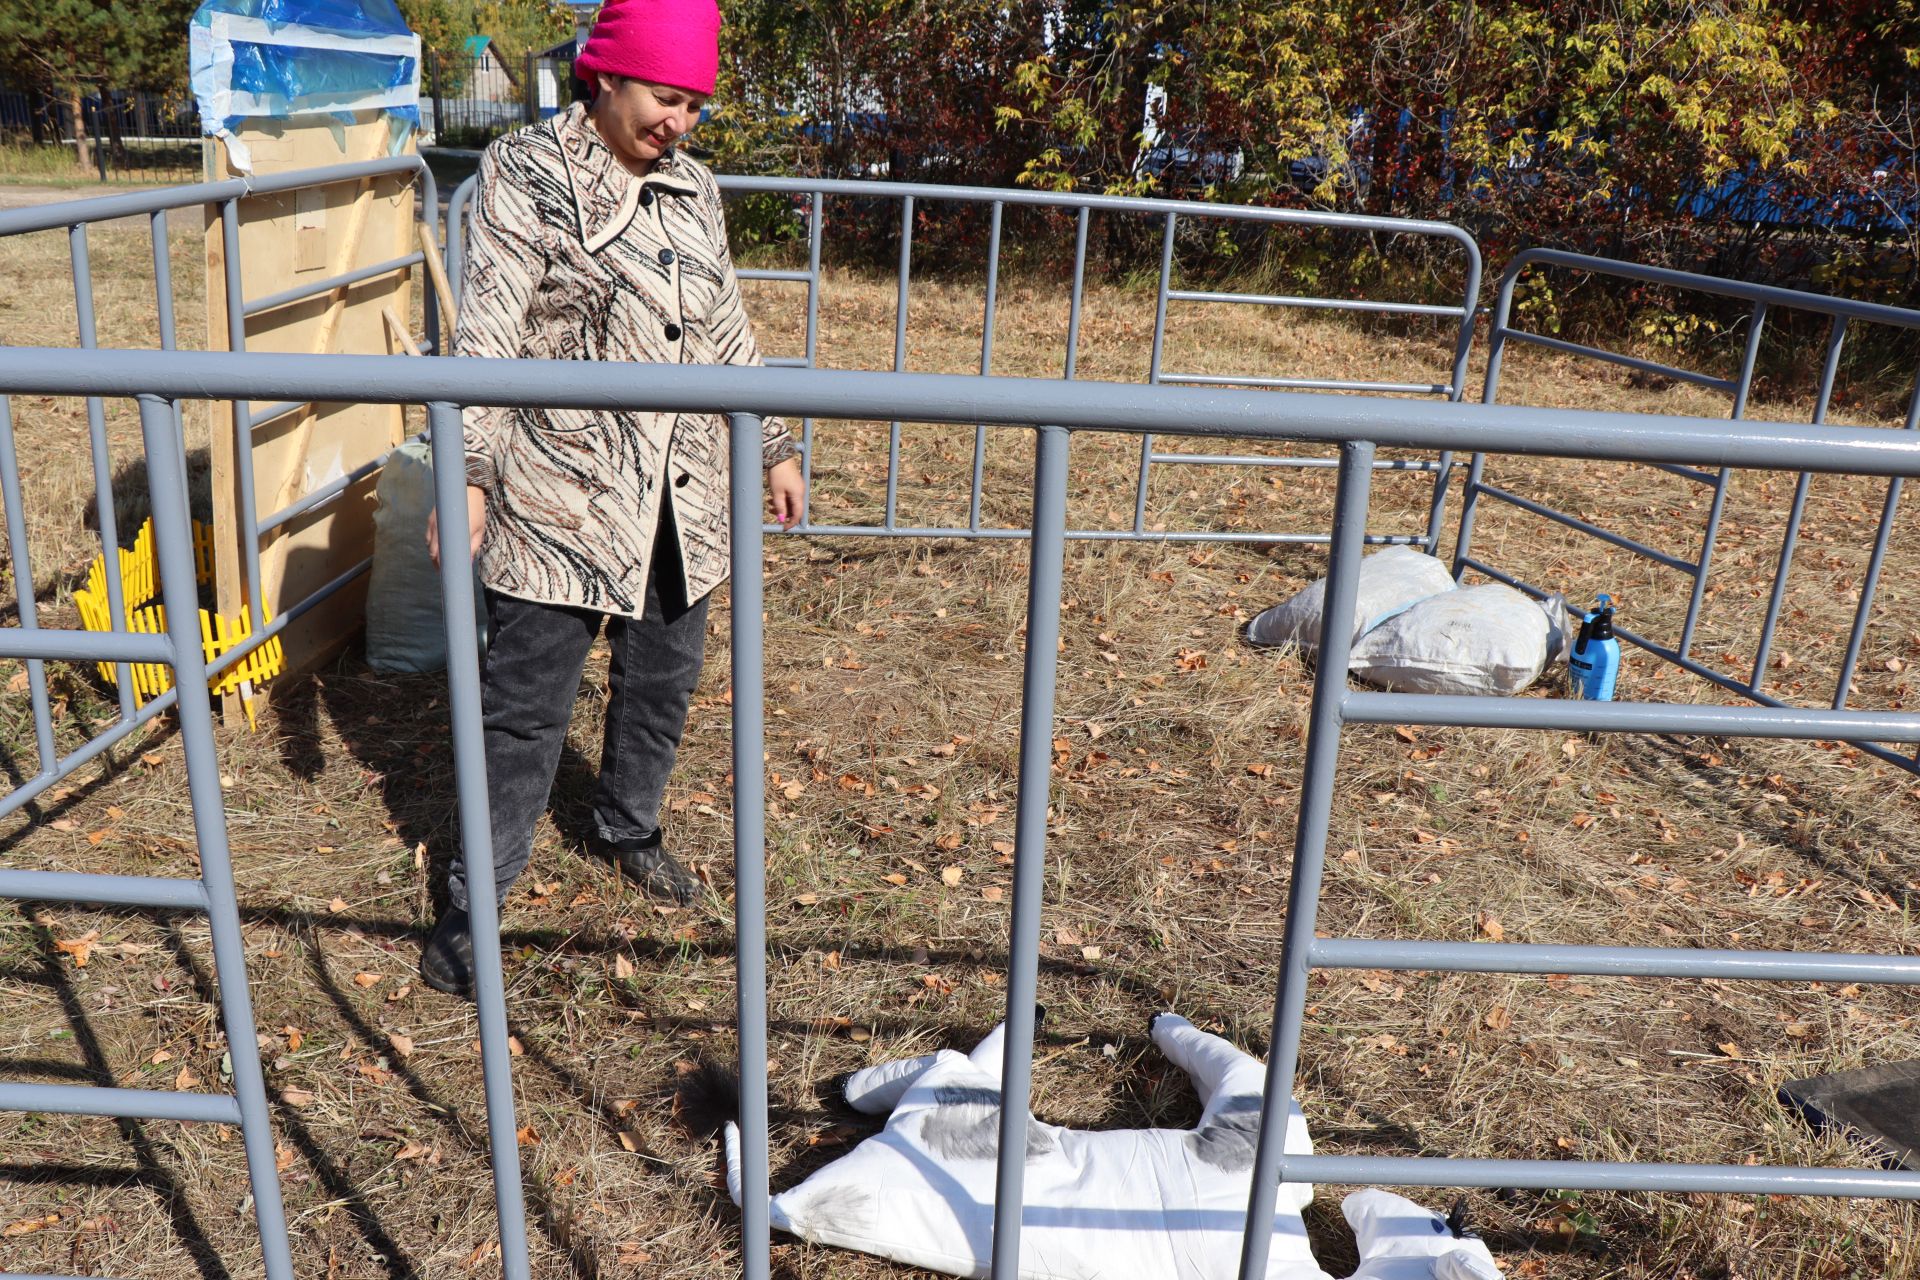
(863, 395)
(1614, 962)
(1687, 473)
(257, 420)
(300, 293)
(732, 183)
(1317, 304)
(141, 203)
(1574, 716)
(1591, 530)
(114, 891)
(792, 277)
(125, 1104)
(785, 362)
(1262, 460)
(84, 646)
(1614, 357)
(324, 494)
(1090, 535)
(95, 746)
(1601, 1175)
(1771, 295)
(1305, 384)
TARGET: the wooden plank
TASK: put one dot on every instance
(357, 225)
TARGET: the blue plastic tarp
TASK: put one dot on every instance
(278, 59)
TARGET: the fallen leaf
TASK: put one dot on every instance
(412, 1150)
(1066, 937)
(1498, 1019)
(364, 980)
(402, 1045)
(1089, 953)
(1003, 846)
(337, 906)
(18, 684)
(27, 1226)
(186, 1079)
(295, 1097)
(399, 993)
(993, 893)
(1491, 926)
(81, 948)
(622, 967)
(528, 1136)
(1730, 1048)
(895, 878)
(951, 875)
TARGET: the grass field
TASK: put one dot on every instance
(893, 681)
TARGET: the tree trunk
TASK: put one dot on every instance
(82, 145)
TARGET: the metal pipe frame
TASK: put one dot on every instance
(1357, 425)
(997, 199)
(1841, 312)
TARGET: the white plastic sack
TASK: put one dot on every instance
(405, 626)
(1390, 581)
(1485, 640)
(1124, 1204)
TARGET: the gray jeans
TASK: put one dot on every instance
(531, 677)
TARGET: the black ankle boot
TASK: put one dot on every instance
(645, 861)
(446, 962)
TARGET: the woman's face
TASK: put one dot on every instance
(641, 120)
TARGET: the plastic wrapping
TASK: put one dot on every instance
(279, 59)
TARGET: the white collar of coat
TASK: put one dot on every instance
(605, 194)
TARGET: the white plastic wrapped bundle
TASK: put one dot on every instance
(1391, 581)
(1484, 640)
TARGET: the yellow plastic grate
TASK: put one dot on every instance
(140, 583)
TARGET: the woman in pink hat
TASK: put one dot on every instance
(593, 238)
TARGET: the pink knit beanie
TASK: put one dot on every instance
(673, 42)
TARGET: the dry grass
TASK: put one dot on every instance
(893, 677)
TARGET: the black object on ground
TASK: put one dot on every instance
(1880, 1105)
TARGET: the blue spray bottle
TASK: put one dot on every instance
(1595, 662)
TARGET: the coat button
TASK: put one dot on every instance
(646, 196)
(666, 257)
(680, 481)
(673, 332)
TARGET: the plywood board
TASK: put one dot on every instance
(286, 241)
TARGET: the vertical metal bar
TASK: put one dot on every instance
(1456, 391)
(1079, 293)
(26, 604)
(1743, 388)
(899, 355)
(1153, 370)
(429, 296)
(102, 461)
(1489, 394)
(1835, 337)
(248, 504)
(163, 309)
(173, 549)
(986, 361)
(750, 841)
(476, 830)
(1309, 845)
(1046, 567)
(813, 338)
(1863, 613)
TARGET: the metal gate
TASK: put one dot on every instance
(1841, 312)
(1359, 426)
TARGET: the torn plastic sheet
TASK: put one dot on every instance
(278, 59)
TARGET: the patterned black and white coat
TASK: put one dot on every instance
(1118, 1204)
(571, 257)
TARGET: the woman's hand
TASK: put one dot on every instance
(476, 524)
(786, 491)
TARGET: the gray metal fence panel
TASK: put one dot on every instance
(1170, 213)
(1841, 312)
(1357, 425)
